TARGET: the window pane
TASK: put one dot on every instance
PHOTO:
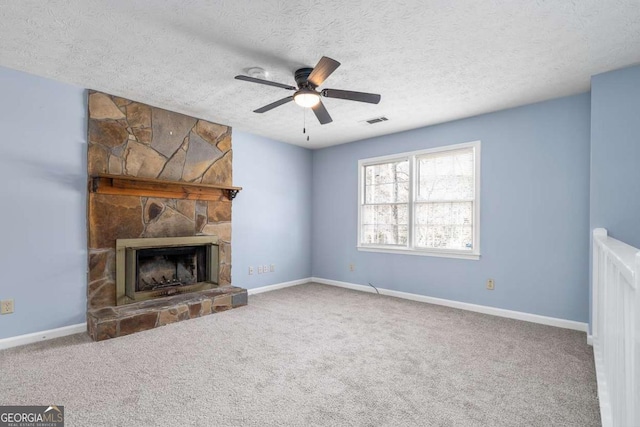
(385, 214)
(387, 183)
(387, 193)
(384, 235)
(445, 213)
(446, 176)
(385, 224)
(446, 225)
(445, 237)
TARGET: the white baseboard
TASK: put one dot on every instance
(518, 315)
(278, 286)
(551, 321)
(42, 336)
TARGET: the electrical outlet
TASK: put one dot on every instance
(265, 268)
(352, 267)
(259, 269)
(490, 284)
(6, 306)
(273, 268)
(250, 270)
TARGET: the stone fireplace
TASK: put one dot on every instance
(160, 199)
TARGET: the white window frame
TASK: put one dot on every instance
(410, 249)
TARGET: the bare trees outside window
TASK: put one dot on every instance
(424, 201)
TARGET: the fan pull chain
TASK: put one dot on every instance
(304, 122)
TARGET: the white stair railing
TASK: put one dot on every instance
(616, 329)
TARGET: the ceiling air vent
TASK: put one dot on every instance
(377, 120)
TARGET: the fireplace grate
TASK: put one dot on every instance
(157, 267)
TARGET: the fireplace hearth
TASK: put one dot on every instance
(159, 267)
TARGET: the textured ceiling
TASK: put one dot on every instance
(432, 61)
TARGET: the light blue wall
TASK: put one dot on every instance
(615, 154)
(43, 256)
(272, 214)
(534, 198)
(534, 212)
(43, 223)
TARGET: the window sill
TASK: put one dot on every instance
(439, 254)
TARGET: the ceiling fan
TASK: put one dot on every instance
(307, 95)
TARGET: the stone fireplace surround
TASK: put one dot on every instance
(131, 139)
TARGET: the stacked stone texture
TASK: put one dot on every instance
(133, 139)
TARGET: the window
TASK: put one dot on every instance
(423, 203)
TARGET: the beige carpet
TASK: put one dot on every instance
(316, 355)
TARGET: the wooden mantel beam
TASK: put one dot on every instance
(143, 187)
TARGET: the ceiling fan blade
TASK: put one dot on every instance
(371, 98)
(323, 69)
(321, 113)
(265, 82)
(274, 105)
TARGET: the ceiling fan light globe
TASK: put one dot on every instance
(306, 99)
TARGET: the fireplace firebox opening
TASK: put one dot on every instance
(157, 267)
